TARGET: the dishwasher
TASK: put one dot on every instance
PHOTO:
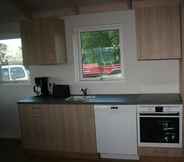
(116, 131)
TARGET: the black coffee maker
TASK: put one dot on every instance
(41, 86)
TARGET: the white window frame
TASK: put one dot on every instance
(77, 50)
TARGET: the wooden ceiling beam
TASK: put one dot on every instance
(151, 3)
(76, 7)
(23, 8)
(130, 4)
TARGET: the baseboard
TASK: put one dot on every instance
(161, 152)
(120, 156)
(60, 155)
(4, 136)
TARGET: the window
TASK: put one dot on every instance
(11, 68)
(100, 54)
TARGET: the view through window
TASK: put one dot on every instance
(11, 61)
(100, 52)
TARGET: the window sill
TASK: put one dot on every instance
(119, 80)
(13, 83)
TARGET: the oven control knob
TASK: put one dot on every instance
(159, 108)
(166, 139)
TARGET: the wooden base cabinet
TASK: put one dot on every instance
(64, 128)
(79, 129)
(182, 59)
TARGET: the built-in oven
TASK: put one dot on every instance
(160, 125)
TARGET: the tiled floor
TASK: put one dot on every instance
(11, 151)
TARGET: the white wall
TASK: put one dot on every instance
(140, 77)
(9, 120)
(9, 30)
(11, 93)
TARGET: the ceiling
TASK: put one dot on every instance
(11, 10)
(44, 5)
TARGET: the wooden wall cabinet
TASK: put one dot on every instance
(43, 41)
(182, 59)
(65, 128)
(158, 29)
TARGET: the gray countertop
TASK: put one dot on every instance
(124, 99)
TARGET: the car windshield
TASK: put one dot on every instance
(17, 72)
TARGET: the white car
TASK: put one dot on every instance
(14, 73)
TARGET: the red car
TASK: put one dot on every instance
(91, 70)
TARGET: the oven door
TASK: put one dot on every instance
(159, 130)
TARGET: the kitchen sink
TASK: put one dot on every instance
(80, 98)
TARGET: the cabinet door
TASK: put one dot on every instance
(38, 127)
(56, 127)
(79, 129)
(30, 35)
(158, 29)
(31, 126)
(43, 41)
(66, 128)
(47, 41)
(116, 130)
(53, 41)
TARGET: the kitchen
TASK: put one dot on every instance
(157, 76)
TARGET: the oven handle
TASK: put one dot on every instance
(149, 116)
(159, 114)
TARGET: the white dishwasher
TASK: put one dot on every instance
(116, 131)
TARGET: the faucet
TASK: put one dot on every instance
(84, 91)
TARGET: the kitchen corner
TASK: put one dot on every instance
(94, 80)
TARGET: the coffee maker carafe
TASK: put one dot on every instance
(41, 86)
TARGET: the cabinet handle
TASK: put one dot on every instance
(36, 116)
(35, 108)
(36, 112)
(114, 107)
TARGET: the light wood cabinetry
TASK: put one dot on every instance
(182, 45)
(65, 128)
(43, 41)
(37, 127)
(157, 29)
(182, 59)
(79, 132)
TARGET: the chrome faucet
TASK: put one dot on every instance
(84, 91)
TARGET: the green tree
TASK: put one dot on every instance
(3, 54)
(99, 39)
(93, 44)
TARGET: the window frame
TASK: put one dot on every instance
(78, 56)
(13, 82)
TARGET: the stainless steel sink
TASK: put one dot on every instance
(80, 98)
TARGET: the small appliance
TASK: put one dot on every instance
(41, 86)
(60, 90)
